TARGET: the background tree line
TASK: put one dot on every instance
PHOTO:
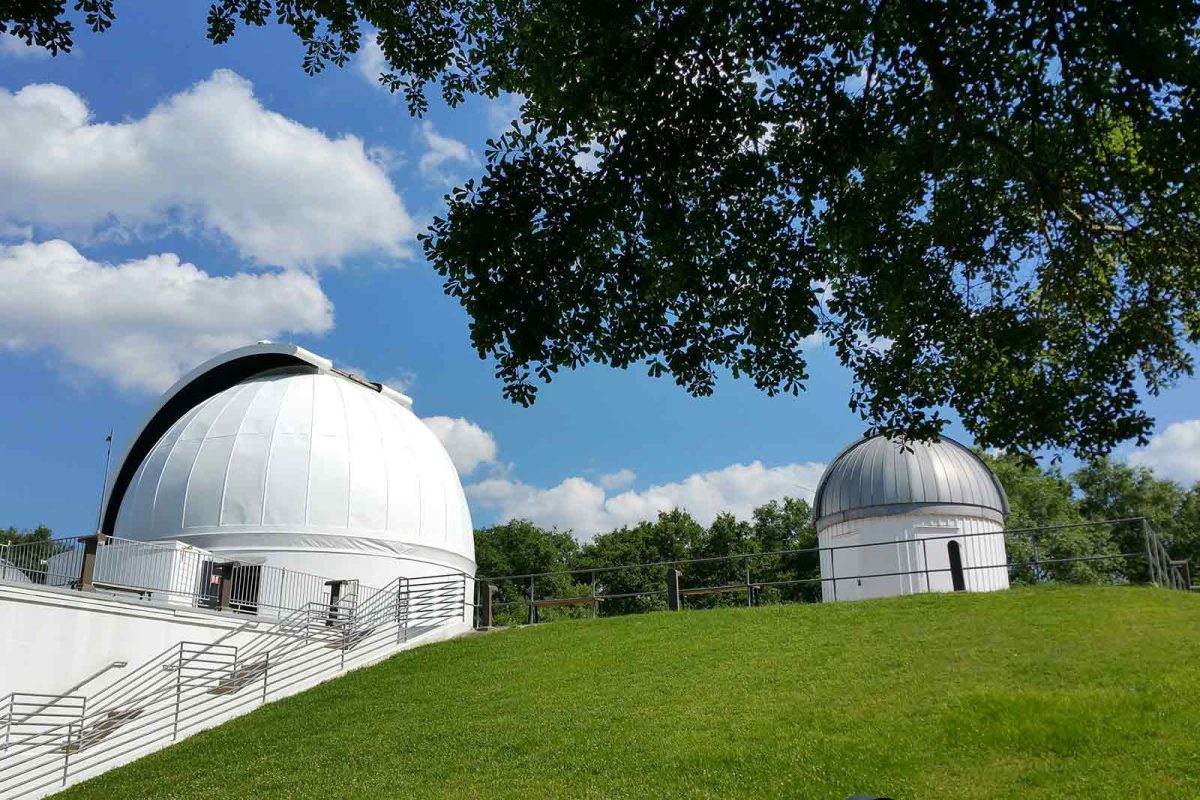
(1038, 497)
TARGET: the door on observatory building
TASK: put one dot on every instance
(956, 566)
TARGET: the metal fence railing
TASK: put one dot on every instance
(53, 562)
(1106, 551)
(53, 741)
(167, 572)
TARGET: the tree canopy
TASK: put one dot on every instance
(987, 207)
(11, 535)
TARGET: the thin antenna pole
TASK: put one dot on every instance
(104, 485)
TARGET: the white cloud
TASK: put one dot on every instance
(586, 508)
(371, 62)
(142, 324)
(439, 151)
(212, 159)
(402, 381)
(615, 480)
(13, 47)
(468, 444)
(1174, 453)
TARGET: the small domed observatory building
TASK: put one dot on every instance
(270, 455)
(894, 520)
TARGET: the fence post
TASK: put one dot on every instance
(531, 616)
(87, 569)
(673, 589)
(4, 552)
(266, 669)
(595, 599)
(749, 588)
(833, 571)
(925, 562)
(486, 594)
(1150, 563)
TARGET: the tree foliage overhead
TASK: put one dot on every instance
(984, 206)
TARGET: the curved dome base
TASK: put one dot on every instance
(911, 554)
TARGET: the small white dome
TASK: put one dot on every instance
(877, 477)
(301, 457)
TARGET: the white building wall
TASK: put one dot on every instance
(63, 636)
(909, 553)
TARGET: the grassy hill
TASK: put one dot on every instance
(1048, 692)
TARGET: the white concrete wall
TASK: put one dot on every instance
(914, 544)
(53, 638)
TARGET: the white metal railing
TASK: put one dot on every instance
(172, 573)
(52, 741)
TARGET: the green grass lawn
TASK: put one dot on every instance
(1047, 692)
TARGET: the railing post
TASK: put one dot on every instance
(335, 596)
(407, 606)
(486, 596)
(224, 573)
(67, 750)
(178, 692)
(87, 570)
(4, 552)
(8, 726)
(673, 589)
(1185, 574)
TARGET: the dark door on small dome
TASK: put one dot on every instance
(956, 567)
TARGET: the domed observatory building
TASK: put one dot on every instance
(893, 520)
(269, 455)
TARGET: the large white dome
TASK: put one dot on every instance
(301, 459)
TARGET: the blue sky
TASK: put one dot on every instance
(167, 199)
